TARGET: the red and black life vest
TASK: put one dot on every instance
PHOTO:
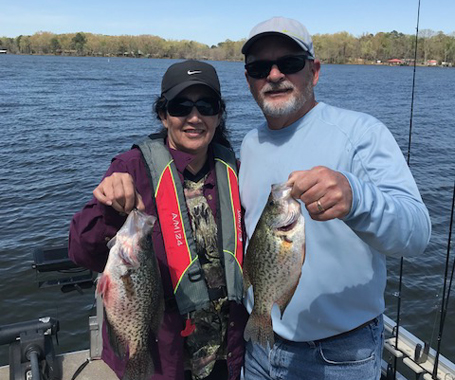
(186, 273)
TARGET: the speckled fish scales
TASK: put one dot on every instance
(133, 295)
(273, 261)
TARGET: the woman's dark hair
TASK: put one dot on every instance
(221, 133)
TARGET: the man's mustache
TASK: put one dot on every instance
(281, 86)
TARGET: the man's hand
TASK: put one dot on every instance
(118, 191)
(326, 193)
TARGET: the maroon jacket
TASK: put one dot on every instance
(96, 224)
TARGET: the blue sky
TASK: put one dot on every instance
(215, 21)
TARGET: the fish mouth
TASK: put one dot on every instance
(288, 222)
(289, 217)
(288, 227)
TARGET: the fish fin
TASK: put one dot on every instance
(140, 366)
(246, 281)
(102, 287)
(117, 346)
(283, 306)
(259, 329)
(286, 298)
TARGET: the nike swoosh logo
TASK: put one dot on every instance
(191, 72)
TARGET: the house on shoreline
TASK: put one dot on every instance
(396, 62)
(3, 50)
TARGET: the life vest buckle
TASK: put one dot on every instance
(216, 293)
(195, 274)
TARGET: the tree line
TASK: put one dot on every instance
(336, 48)
(88, 44)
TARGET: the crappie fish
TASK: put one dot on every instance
(132, 294)
(273, 261)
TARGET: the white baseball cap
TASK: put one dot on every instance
(285, 27)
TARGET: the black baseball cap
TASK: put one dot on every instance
(182, 75)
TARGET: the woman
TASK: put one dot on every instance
(187, 177)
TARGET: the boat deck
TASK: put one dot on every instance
(69, 363)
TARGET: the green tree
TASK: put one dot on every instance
(24, 45)
(449, 49)
(79, 41)
(55, 45)
(41, 42)
(18, 41)
(330, 48)
(366, 47)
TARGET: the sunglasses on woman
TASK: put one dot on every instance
(289, 64)
(183, 107)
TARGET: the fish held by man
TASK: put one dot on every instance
(273, 261)
(132, 294)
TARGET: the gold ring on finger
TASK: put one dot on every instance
(320, 208)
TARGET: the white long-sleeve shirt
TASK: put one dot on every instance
(344, 274)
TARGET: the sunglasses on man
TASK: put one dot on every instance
(289, 64)
(183, 107)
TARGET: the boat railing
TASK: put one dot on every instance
(32, 341)
(30, 344)
(31, 349)
(54, 268)
(412, 357)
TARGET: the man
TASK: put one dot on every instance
(361, 204)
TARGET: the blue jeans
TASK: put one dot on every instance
(352, 356)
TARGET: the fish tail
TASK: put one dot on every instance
(139, 367)
(259, 329)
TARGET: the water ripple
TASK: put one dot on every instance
(64, 118)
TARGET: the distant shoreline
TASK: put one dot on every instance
(356, 62)
(390, 48)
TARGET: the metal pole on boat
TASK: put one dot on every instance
(32, 356)
(445, 301)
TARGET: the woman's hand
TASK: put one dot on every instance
(118, 190)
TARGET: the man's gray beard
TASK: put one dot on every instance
(286, 109)
(289, 107)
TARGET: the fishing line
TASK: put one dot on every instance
(445, 300)
(408, 160)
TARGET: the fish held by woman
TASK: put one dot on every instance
(273, 261)
(132, 294)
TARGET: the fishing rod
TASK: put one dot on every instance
(413, 86)
(408, 160)
(445, 302)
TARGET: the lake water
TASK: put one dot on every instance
(62, 119)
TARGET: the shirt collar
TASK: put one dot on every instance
(183, 159)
